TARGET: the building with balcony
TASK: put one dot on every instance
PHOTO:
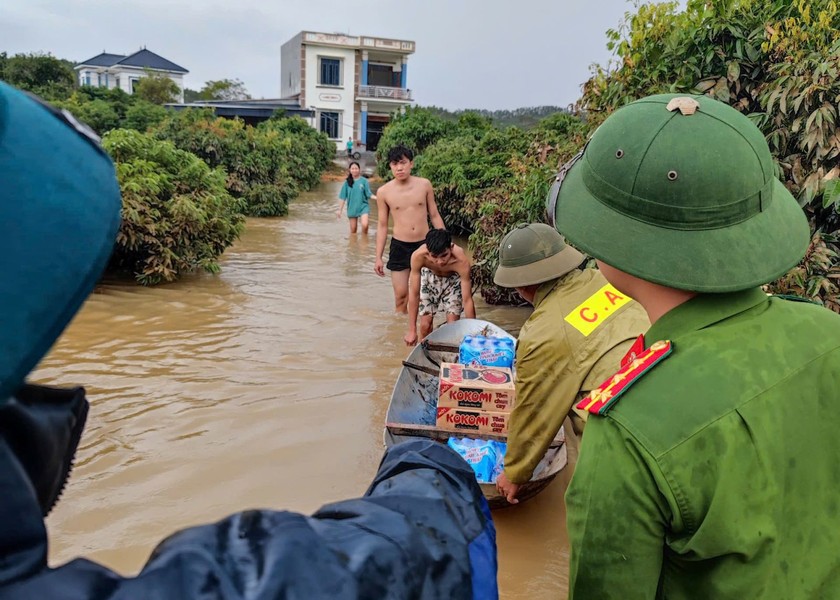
(123, 72)
(351, 83)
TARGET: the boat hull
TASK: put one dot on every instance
(412, 410)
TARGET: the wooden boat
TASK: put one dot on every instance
(412, 410)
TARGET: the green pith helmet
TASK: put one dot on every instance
(682, 191)
(532, 254)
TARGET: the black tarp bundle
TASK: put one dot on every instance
(422, 530)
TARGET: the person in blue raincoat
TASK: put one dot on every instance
(422, 529)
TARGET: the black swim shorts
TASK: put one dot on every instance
(399, 256)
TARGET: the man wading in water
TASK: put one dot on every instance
(411, 201)
(439, 281)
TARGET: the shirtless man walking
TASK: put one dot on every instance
(411, 202)
(440, 281)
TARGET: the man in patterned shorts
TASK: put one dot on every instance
(439, 281)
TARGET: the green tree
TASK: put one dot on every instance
(176, 215)
(157, 88)
(224, 89)
(191, 95)
(142, 115)
(42, 74)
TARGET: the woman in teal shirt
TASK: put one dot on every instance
(356, 193)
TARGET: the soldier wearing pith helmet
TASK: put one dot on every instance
(707, 466)
(580, 328)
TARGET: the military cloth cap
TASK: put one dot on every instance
(682, 191)
(534, 253)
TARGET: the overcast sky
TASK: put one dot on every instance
(490, 54)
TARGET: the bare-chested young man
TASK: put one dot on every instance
(410, 201)
(440, 281)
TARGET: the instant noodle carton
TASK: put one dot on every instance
(466, 420)
(481, 388)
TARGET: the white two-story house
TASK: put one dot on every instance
(123, 72)
(352, 83)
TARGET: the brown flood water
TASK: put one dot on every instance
(265, 386)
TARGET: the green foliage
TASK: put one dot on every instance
(487, 180)
(307, 151)
(515, 196)
(817, 276)
(474, 124)
(103, 109)
(776, 61)
(176, 215)
(416, 128)
(98, 114)
(269, 200)
(224, 89)
(42, 74)
(157, 88)
(266, 165)
(142, 115)
(524, 118)
(463, 168)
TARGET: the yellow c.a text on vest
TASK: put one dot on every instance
(595, 310)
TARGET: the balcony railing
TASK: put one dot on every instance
(387, 93)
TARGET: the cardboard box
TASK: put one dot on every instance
(480, 388)
(472, 421)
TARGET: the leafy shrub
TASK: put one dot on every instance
(463, 167)
(177, 216)
(308, 152)
(103, 109)
(266, 165)
(417, 128)
(42, 74)
(142, 115)
(266, 200)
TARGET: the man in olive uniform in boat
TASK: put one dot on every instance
(709, 467)
(580, 328)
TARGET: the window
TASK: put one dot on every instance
(329, 124)
(132, 81)
(87, 78)
(330, 71)
(383, 75)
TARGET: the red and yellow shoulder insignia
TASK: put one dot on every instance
(603, 398)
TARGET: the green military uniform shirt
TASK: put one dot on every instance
(556, 358)
(681, 488)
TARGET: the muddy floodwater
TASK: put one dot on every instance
(262, 387)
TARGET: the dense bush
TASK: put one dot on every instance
(306, 152)
(103, 109)
(266, 165)
(177, 216)
(463, 167)
(43, 74)
(417, 128)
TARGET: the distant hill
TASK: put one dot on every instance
(524, 118)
